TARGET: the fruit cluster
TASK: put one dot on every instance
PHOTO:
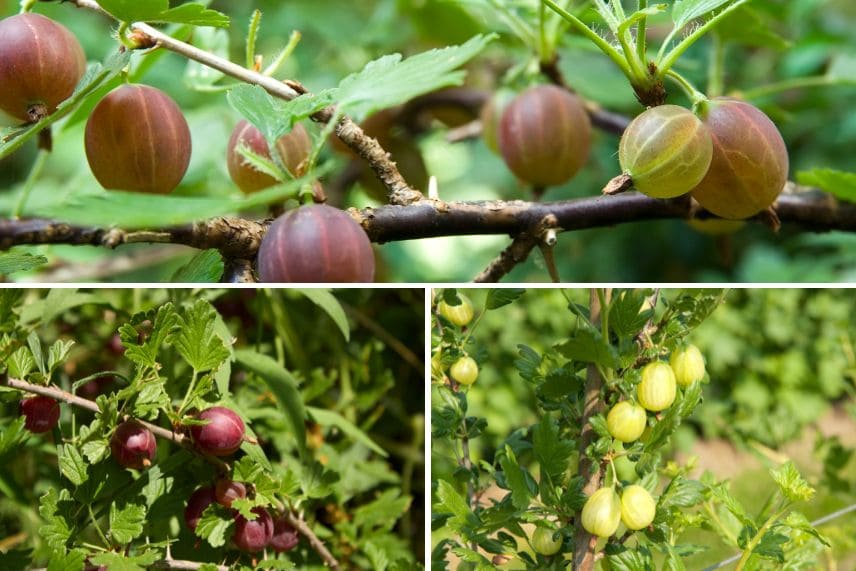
(133, 445)
(464, 370)
(732, 159)
(626, 422)
(137, 139)
(250, 535)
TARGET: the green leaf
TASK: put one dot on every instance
(623, 558)
(685, 11)
(12, 434)
(72, 465)
(626, 317)
(21, 363)
(382, 512)
(840, 184)
(138, 210)
(158, 11)
(587, 345)
(119, 562)
(196, 340)
(283, 386)
(146, 353)
(326, 417)
(390, 81)
(273, 116)
(11, 262)
(58, 353)
(515, 479)
(328, 302)
(205, 267)
(151, 399)
(791, 483)
(551, 450)
(771, 546)
(215, 525)
(682, 493)
(450, 501)
(56, 510)
(126, 523)
(66, 561)
(498, 297)
(57, 302)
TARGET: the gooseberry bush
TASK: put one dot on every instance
(289, 144)
(224, 439)
(587, 478)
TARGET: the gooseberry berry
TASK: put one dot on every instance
(602, 513)
(316, 243)
(41, 63)
(253, 535)
(133, 445)
(460, 314)
(40, 413)
(658, 387)
(221, 435)
(638, 508)
(227, 491)
(137, 139)
(666, 150)
(465, 370)
(491, 115)
(688, 365)
(293, 148)
(543, 542)
(545, 135)
(626, 421)
(196, 504)
(285, 537)
(750, 161)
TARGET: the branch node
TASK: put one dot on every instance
(619, 184)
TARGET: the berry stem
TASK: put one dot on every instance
(696, 96)
(252, 33)
(35, 172)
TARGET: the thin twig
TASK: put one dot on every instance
(74, 400)
(349, 132)
(300, 525)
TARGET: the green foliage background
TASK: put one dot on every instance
(778, 41)
(781, 365)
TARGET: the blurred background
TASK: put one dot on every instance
(782, 367)
(772, 41)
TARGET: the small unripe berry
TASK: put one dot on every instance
(223, 433)
(41, 63)
(40, 413)
(285, 537)
(658, 387)
(293, 149)
(638, 508)
(138, 140)
(316, 243)
(253, 535)
(687, 364)
(543, 542)
(465, 370)
(602, 513)
(750, 161)
(196, 504)
(626, 421)
(460, 314)
(545, 135)
(227, 491)
(133, 445)
(666, 150)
